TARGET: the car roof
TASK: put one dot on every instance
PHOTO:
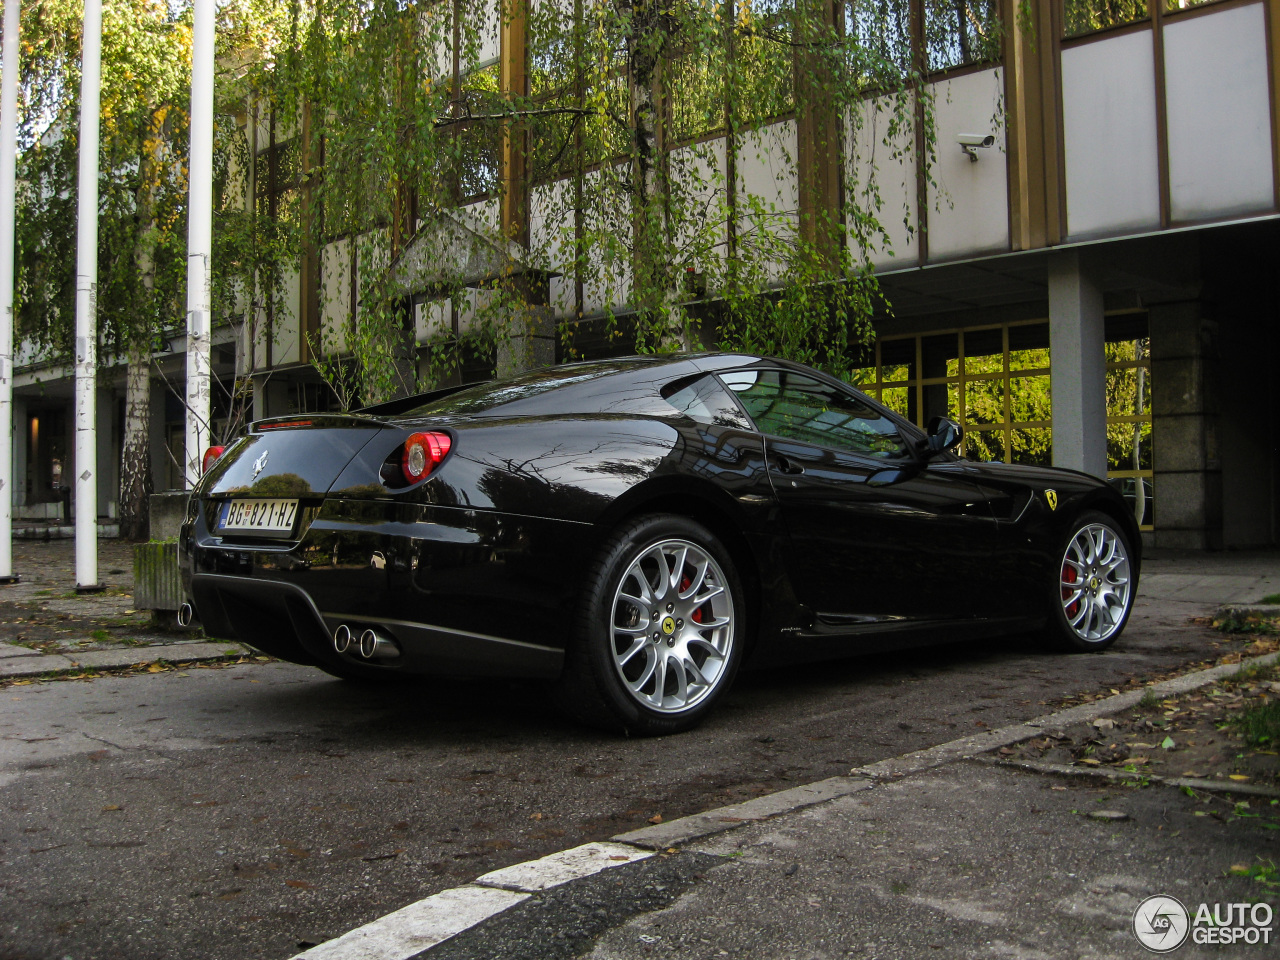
(622, 385)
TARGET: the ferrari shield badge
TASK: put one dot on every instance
(1051, 498)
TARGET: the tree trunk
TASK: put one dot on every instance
(135, 452)
(649, 37)
(135, 458)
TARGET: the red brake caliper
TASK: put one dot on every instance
(696, 616)
(1069, 575)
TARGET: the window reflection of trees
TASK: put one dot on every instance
(960, 32)
(1086, 16)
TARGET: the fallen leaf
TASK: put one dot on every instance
(1108, 815)
(112, 807)
(621, 858)
(1167, 743)
(1237, 776)
(299, 884)
(656, 818)
(155, 668)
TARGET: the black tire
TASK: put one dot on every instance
(1091, 616)
(603, 683)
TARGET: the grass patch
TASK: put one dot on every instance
(1263, 872)
(1260, 724)
(102, 636)
(1253, 672)
(1271, 598)
(1248, 624)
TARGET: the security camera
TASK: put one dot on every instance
(968, 141)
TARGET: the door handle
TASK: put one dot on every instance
(788, 466)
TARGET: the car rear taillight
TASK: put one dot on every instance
(210, 458)
(422, 453)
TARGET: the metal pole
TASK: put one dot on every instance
(8, 160)
(199, 239)
(87, 305)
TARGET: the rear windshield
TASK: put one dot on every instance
(498, 393)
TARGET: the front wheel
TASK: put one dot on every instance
(660, 630)
(1093, 592)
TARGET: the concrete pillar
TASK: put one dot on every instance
(259, 411)
(21, 441)
(108, 454)
(155, 427)
(532, 344)
(1188, 472)
(1079, 366)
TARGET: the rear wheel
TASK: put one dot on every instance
(660, 630)
(1094, 589)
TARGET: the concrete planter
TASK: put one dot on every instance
(156, 582)
(157, 585)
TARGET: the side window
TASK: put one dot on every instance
(798, 407)
(707, 402)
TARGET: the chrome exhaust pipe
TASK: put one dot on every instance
(342, 638)
(185, 615)
(374, 646)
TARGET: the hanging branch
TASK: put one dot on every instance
(468, 116)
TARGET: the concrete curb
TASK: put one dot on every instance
(700, 825)
(415, 929)
(41, 665)
(1238, 611)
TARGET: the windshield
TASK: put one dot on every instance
(498, 393)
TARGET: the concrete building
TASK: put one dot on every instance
(1085, 276)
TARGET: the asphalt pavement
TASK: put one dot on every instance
(256, 809)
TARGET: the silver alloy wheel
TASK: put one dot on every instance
(1096, 585)
(672, 627)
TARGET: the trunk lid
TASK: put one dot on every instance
(298, 456)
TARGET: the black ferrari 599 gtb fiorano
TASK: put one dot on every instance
(632, 531)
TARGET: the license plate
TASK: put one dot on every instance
(258, 516)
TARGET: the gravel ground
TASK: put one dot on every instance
(43, 611)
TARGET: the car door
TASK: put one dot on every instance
(876, 536)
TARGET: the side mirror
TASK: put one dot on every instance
(943, 434)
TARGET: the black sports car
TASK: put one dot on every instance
(633, 530)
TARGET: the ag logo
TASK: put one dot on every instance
(1161, 924)
(1051, 498)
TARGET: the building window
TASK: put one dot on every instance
(1087, 16)
(1130, 458)
(960, 32)
(883, 28)
(478, 142)
(1173, 6)
(996, 382)
(764, 63)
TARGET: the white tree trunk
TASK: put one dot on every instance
(649, 39)
(135, 457)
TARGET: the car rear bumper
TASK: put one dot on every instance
(460, 592)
